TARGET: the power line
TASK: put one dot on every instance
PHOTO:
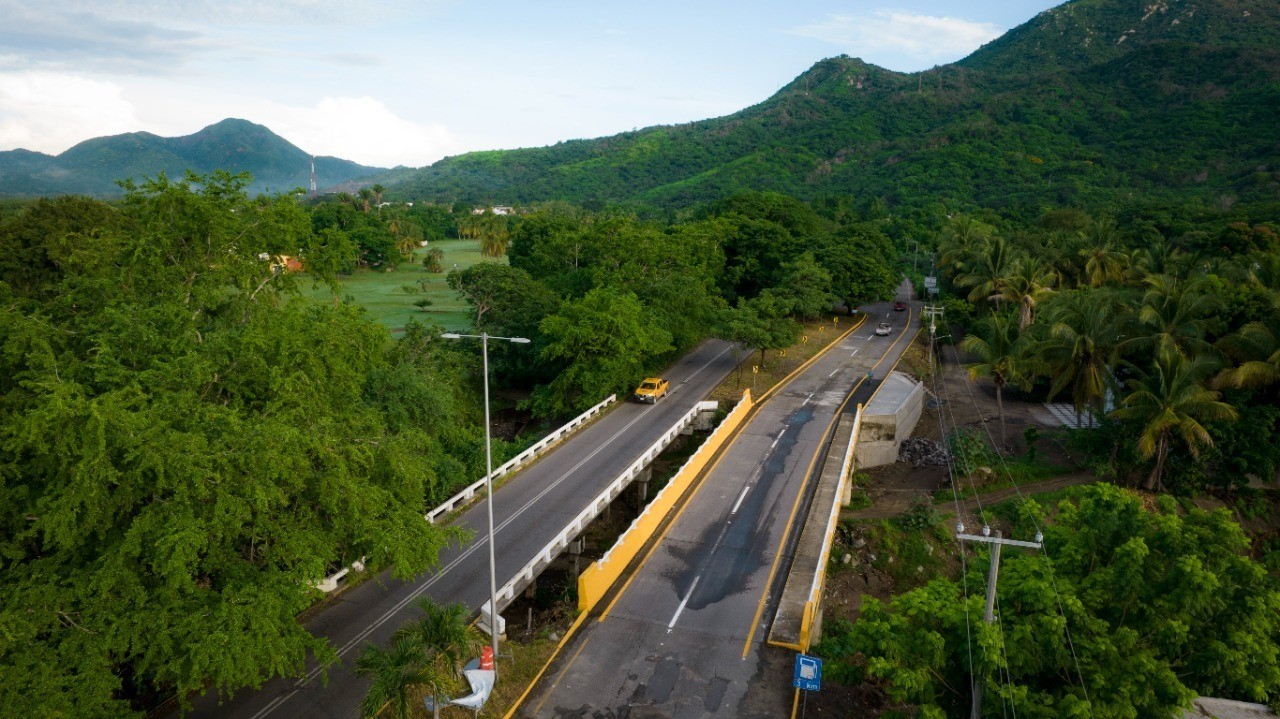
(1053, 581)
(951, 475)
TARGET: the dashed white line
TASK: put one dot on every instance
(683, 602)
(833, 372)
(740, 498)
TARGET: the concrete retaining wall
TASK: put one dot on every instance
(596, 579)
(888, 419)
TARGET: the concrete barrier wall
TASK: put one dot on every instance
(600, 575)
(466, 496)
(523, 578)
(811, 625)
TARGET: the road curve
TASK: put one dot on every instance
(529, 510)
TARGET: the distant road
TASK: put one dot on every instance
(686, 637)
(529, 511)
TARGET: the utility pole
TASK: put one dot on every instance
(933, 312)
(992, 575)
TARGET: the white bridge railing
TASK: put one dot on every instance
(463, 498)
(523, 578)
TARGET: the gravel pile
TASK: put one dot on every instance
(920, 451)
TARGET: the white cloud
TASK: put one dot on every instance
(921, 40)
(50, 111)
(360, 129)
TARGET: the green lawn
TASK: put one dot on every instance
(389, 296)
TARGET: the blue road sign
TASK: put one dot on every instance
(808, 673)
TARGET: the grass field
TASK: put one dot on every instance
(389, 296)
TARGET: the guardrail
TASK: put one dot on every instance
(461, 499)
(596, 579)
(468, 494)
(523, 578)
(833, 520)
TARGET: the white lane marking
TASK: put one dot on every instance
(855, 352)
(418, 591)
(833, 372)
(683, 602)
(740, 498)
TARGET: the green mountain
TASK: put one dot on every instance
(1095, 101)
(93, 166)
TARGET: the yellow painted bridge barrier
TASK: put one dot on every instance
(597, 578)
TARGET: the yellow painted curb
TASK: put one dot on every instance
(862, 319)
(573, 628)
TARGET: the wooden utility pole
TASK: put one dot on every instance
(990, 615)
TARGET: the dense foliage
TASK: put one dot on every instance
(1095, 102)
(94, 166)
(1163, 325)
(184, 448)
(1129, 611)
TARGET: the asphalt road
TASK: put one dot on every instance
(686, 637)
(529, 510)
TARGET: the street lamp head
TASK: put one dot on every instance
(519, 340)
(451, 336)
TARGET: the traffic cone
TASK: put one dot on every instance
(486, 658)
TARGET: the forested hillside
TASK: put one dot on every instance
(1094, 102)
(94, 166)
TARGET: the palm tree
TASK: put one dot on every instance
(1103, 265)
(394, 672)
(1157, 258)
(1257, 346)
(984, 271)
(961, 240)
(1080, 347)
(1173, 316)
(1170, 401)
(1025, 285)
(365, 196)
(495, 236)
(445, 637)
(1004, 357)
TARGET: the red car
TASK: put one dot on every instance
(899, 306)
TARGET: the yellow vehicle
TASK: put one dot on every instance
(652, 389)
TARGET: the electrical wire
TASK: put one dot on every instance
(951, 474)
(1044, 547)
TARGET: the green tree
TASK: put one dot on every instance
(1171, 402)
(1025, 285)
(505, 291)
(762, 324)
(446, 638)
(1257, 347)
(983, 273)
(1080, 348)
(806, 286)
(1140, 610)
(603, 341)
(186, 450)
(859, 258)
(1004, 356)
(1174, 316)
(433, 262)
(394, 673)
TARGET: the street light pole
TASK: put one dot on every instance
(484, 338)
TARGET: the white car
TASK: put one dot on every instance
(883, 329)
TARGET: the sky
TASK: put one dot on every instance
(407, 82)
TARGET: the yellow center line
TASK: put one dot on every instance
(755, 622)
(552, 689)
